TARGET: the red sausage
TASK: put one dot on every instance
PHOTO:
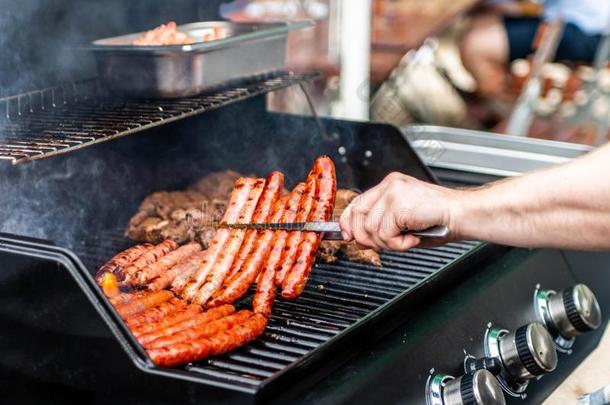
(201, 331)
(295, 281)
(154, 270)
(193, 322)
(121, 260)
(295, 237)
(262, 214)
(231, 249)
(143, 303)
(149, 257)
(156, 313)
(173, 318)
(238, 199)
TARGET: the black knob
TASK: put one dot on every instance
(574, 311)
(528, 352)
(478, 388)
(491, 364)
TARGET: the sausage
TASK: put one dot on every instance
(154, 270)
(219, 343)
(295, 237)
(142, 303)
(122, 259)
(110, 285)
(326, 187)
(237, 284)
(237, 336)
(184, 269)
(201, 331)
(262, 214)
(239, 196)
(231, 248)
(155, 314)
(150, 256)
(195, 321)
(173, 318)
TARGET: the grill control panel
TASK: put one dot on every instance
(513, 359)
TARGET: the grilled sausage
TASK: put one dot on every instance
(265, 288)
(183, 269)
(145, 333)
(154, 270)
(154, 314)
(237, 284)
(326, 187)
(121, 260)
(142, 303)
(201, 331)
(193, 322)
(219, 343)
(148, 257)
(295, 237)
(239, 196)
(262, 214)
(230, 250)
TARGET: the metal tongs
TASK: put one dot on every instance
(332, 230)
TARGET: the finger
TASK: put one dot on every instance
(356, 211)
(360, 233)
(403, 243)
(345, 222)
(375, 222)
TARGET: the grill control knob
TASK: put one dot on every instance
(573, 311)
(478, 388)
(528, 352)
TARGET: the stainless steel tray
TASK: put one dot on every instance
(250, 49)
(485, 152)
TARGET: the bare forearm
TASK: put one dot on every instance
(566, 206)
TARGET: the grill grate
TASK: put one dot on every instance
(48, 122)
(337, 297)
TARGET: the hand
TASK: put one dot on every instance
(376, 218)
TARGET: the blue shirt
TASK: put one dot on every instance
(591, 16)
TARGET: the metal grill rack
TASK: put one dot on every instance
(61, 119)
(337, 297)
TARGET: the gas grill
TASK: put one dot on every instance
(75, 162)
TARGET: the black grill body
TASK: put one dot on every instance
(62, 217)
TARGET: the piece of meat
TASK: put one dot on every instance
(266, 287)
(201, 330)
(295, 237)
(156, 313)
(219, 343)
(142, 303)
(356, 253)
(343, 198)
(328, 250)
(164, 34)
(225, 259)
(262, 214)
(148, 257)
(170, 319)
(157, 268)
(110, 285)
(238, 199)
(121, 260)
(326, 186)
(218, 185)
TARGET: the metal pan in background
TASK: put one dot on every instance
(248, 49)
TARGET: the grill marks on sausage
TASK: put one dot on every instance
(172, 318)
(149, 256)
(238, 199)
(295, 237)
(225, 259)
(219, 343)
(155, 314)
(121, 260)
(326, 187)
(166, 262)
(142, 303)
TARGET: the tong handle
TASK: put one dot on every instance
(434, 232)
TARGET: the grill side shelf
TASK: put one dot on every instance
(45, 123)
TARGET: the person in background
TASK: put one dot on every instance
(499, 34)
